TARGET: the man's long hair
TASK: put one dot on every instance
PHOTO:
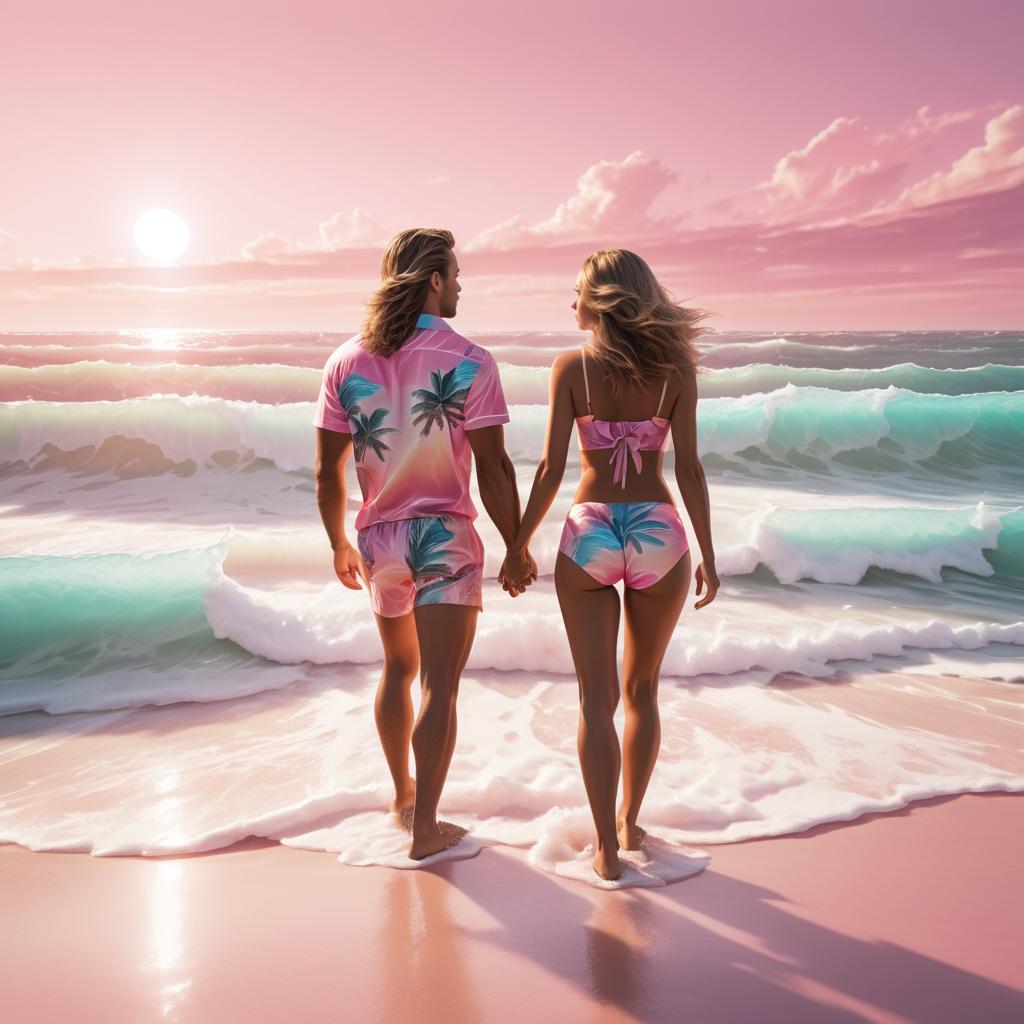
(641, 332)
(409, 260)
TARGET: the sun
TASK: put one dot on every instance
(161, 235)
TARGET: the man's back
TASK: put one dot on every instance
(408, 414)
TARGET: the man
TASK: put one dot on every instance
(409, 397)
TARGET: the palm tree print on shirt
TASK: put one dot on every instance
(354, 388)
(629, 524)
(444, 402)
(368, 430)
(368, 433)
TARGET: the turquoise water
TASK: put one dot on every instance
(71, 610)
(179, 668)
(918, 458)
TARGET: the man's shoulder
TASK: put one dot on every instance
(465, 347)
(346, 352)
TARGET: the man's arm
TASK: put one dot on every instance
(332, 453)
(496, 476)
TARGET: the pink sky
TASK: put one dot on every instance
(793, 165)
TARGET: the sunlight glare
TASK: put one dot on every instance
(161, 235)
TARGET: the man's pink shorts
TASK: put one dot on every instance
(428, 560)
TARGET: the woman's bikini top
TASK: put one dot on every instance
(625, 437)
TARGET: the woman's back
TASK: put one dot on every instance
(621, 437)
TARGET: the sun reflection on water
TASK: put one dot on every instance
(167, 938)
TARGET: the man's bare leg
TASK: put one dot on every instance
(445, 633)
(392, 709)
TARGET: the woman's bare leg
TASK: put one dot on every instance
(591, 613)
(651, 616)
(445, 633)
(392, 709)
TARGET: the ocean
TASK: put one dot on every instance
(180, 669)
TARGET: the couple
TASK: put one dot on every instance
(410, 399)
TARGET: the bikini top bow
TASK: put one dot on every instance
(624, 447)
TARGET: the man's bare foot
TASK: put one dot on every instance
(401, 807)
(441, 837)
(606, 864)
(631, 837)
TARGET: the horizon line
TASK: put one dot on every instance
(514, 330)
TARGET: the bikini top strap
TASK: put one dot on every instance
(662, 399)
(586, 381)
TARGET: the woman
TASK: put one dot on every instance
(633, 385)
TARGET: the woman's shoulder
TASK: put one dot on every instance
(567, 364)
(567, 379)
(570, 357)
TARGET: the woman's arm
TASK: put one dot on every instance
(693, 485)
(551, 467)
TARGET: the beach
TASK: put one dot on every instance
(192, 788)
(302, 296)
(910, 916)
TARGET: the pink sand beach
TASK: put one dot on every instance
(912, 916)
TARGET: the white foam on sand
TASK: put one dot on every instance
(374, 838)
(739, 760)
(566, 848)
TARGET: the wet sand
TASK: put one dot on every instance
(916, 915)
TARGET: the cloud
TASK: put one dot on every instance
(334, 269)
(355, 230)
(998, 163)
(847, 168)
(612, 200)
(956, 263)
(272, 246)
(86, 261)
(945, 250)
(845, 172)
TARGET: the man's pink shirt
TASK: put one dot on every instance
(408, 414)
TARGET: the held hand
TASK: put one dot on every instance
(532, 577)
(706, 578)
(511, 575)
(517, 572)
(348, 565)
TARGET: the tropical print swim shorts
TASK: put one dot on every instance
(426, 560)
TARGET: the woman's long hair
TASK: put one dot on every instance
(409, 260)
(641, 332)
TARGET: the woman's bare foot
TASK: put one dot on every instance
(401, 807)
(441, 837)
(606, 864)
(631, 837)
